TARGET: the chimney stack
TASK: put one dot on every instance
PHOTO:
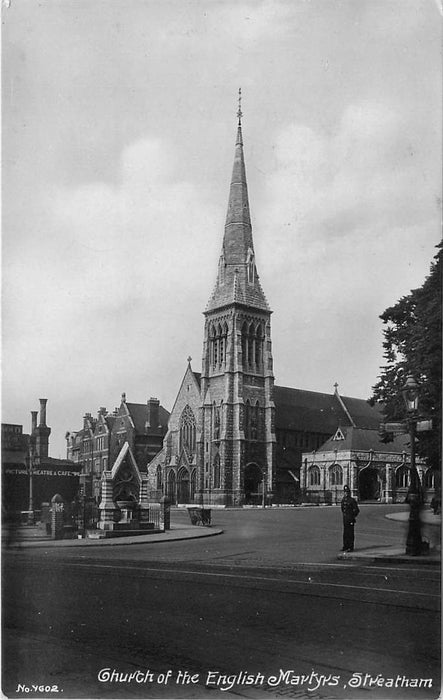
(152, 415)
(34, 415)
(43, 403)
(41, 432)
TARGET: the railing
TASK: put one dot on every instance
(154, 515)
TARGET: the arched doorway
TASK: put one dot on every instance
(183, 486)
(369, 484)
(253, 484)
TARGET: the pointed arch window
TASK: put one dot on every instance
(217, 345)
(159, 478)
(259, 341)
(244, 343)
(336, 475)
(314, 476)
(187, 430)
(251, 344)
(402, 477)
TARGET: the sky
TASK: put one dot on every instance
(119, 125)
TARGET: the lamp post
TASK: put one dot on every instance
(31, 481)
(414, 544)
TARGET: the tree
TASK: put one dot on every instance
(412, 345)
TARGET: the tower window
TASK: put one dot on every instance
(217, 345)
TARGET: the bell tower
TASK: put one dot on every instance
(237, 440)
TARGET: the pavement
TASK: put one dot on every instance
(431, 533)
(28, 536)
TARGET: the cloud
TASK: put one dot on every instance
(367, 172)
(108, 279)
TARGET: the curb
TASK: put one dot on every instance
(391, 558)
(185, 534)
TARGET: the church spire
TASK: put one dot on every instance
(237, 279)
(238, 230)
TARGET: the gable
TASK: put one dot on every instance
(188, 395)
(125, 462)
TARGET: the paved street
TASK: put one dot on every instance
(267, 596)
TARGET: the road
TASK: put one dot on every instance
(267, 599)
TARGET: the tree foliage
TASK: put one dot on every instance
(412, 345)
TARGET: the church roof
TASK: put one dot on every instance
(364, 440)
(237, 279)
(313, 411)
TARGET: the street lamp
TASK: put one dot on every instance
(31, 480)
(414, 545)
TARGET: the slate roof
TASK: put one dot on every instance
(312, 411)
(110, 420)
(139, 414)
(363, 440)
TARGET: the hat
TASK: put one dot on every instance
(346, 488)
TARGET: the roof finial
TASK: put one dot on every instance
(239, 112)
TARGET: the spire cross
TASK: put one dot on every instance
(239, 112)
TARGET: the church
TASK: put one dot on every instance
(234, 437)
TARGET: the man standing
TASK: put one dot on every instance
(350, 510)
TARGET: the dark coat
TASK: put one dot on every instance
(350, 510)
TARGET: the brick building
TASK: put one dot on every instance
(97, 445)
(234, 437)
(29, 476)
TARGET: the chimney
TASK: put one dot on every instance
(152, 416)
(41, 432)
(102, 411)
(43, 403)
(34, 415)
